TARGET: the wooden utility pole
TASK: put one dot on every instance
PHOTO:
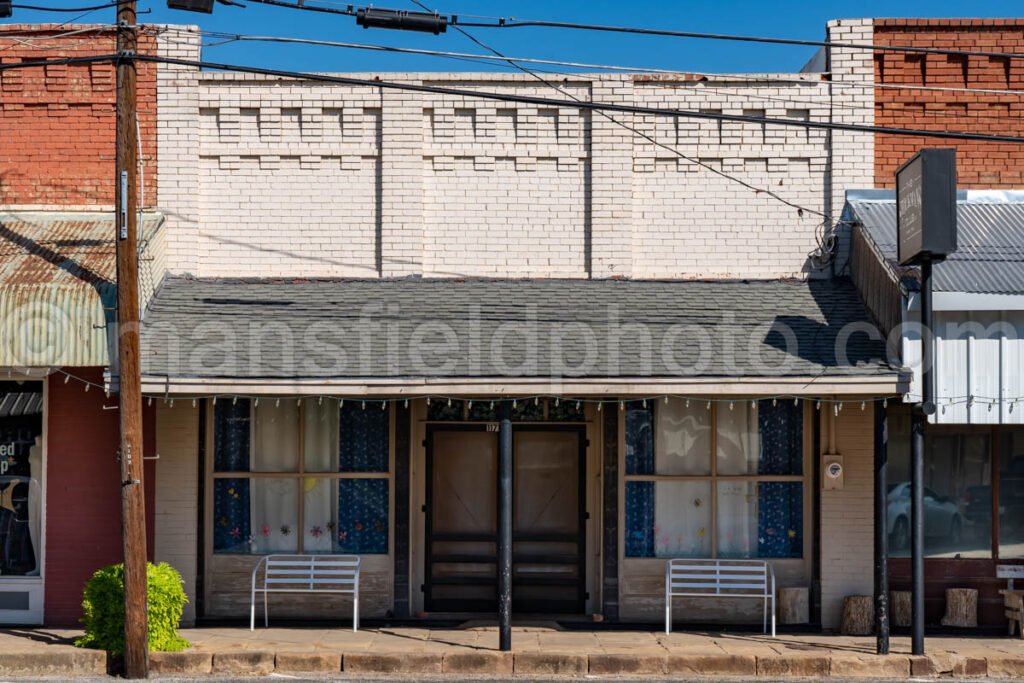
(133, 503)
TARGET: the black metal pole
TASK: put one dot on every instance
(505, 529)
(920, 419)
(881, 532)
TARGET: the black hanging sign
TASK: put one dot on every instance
(926, 206)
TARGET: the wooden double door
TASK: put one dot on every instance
(548, 519)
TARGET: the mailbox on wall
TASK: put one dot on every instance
(926, 206)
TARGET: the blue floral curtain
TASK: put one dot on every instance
(231, 448)
(639, 519)
(363, 516)
(363, 439)
(781, 428)
(780, 519)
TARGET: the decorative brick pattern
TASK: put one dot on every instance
(63, 117)
(995, 107)
(268, 177)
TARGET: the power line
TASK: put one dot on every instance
(759, 190)
(506, 61)
(93, 8)
(524, 23)
(584, 105)
(512, 22)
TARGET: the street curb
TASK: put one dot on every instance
(945, 665)
(63, 663)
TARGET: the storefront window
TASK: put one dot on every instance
(745, 502)
(265, 500)
(523, 410)
(1011, 494)
(21, 472)
(957, 495)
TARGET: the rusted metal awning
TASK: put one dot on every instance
(57, 287)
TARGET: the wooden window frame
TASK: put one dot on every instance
(300, 474)
(714, 478)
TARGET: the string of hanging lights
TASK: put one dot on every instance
(834, 404)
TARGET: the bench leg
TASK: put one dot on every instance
(355, 612)
(252, 612)
(764, 624)
(668, 615)
(266, 612)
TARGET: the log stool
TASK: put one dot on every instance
(858, 616)
(901, 608)
(961, 608)
(1013, 602)
(794, 606)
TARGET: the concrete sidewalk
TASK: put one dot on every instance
(538, 650)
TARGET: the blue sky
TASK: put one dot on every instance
(778, 19)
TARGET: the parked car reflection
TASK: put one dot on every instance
(943, 522)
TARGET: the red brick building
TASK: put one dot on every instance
(57, 240)
(928, 91)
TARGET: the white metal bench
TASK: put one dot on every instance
(719, 579)
(305, 574)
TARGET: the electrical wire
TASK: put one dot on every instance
(93, 8)
(476, 58)
(525, 23)
(583, 105)
(497, 22)
(692, 160)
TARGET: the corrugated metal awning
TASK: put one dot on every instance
(57, 287)
(990, 243)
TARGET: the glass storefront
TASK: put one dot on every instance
(21, 473)
(965, 467)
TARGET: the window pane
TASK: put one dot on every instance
(781, 427)
(738, 442)
(668, 519)
(760, 519)
(639, 439)
(1011, 494)
(566, 411)
(528, 411)
(443, 409)
(362, 516)
(320, 441)
(363, 438)
(231, 529)
(682, 437)
(486, 411)
(760, 438)
(957, 495)
(277, 436)
(318, 496)
(275, 508)
(231, 422)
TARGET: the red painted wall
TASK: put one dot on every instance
(58, 122)
(83, 492)
(980, 165)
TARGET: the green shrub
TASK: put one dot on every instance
(103, 604)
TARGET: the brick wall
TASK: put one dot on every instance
(83, 492)
(57, 123)
(990, 110)
(262, 177)
(176, 508)
(847, 514)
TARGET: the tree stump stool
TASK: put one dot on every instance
(794, 606)
(961, 608)
(858, 616)
(901, 611)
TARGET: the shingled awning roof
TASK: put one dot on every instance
(57, 287)
(408, 332)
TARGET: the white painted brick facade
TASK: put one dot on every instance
(265, 177)
(176, 514)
